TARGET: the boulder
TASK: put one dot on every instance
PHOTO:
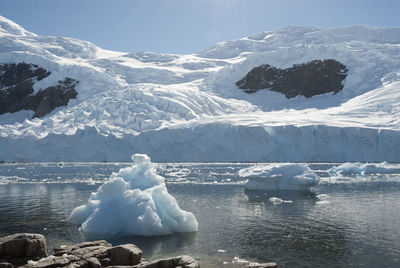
(23, 246)
(94, 254)
(85, 250)
(29, 251)
(308, 79)
(127, 254)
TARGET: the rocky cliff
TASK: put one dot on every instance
(17, 92)
(309, 79)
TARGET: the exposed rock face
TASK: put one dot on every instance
(18, 248)
(16, 89)
(50, 98)
(127, 254)
(181, 262)
(30, 251)
(102, 254)
(85, 254)
(309, 79)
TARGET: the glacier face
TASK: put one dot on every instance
(188, 108)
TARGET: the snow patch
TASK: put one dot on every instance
(134, 201)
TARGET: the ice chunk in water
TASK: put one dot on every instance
(279, 176)
(134, 201)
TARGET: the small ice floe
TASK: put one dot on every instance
(245, 263)
(354, 169)
(60, 164)
(134, 201)
(279, 176)
(322, 199)
(278, 201)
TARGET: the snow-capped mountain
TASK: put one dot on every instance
(189, 108)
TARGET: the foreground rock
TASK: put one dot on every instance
(309, 79)
(181, 262)
(19, 248)
(29, 250)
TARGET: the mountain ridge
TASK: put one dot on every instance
(165, 105)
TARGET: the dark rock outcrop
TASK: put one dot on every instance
(127, 254)
(19, 248)
(181, 262)
(16, 90)
(309, 79)
(30, 251)
(50, 98)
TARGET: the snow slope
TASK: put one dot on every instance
(187, 107)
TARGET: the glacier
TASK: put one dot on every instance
(187, 107)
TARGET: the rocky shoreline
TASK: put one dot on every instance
(30, 251)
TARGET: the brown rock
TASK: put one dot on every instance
(69, 249)
(23, 246)
(50, 262)
(94, 263)
(127, 254)
(106, 262)
(19, 248)
(181, 262)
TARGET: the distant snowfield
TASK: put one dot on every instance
(188, 108)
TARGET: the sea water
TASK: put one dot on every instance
(347, 221)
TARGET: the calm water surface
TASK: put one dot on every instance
(356, 223)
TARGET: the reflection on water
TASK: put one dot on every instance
(357, 225)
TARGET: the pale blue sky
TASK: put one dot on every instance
(187, 26)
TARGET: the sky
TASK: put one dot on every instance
(187, 26)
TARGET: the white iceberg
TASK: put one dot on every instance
(279, 176)
(134, 201)
(354, 169)
(278, 201)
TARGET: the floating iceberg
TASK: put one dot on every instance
(278, 201)
(134, 201)
(354, 169)
(279, 176)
